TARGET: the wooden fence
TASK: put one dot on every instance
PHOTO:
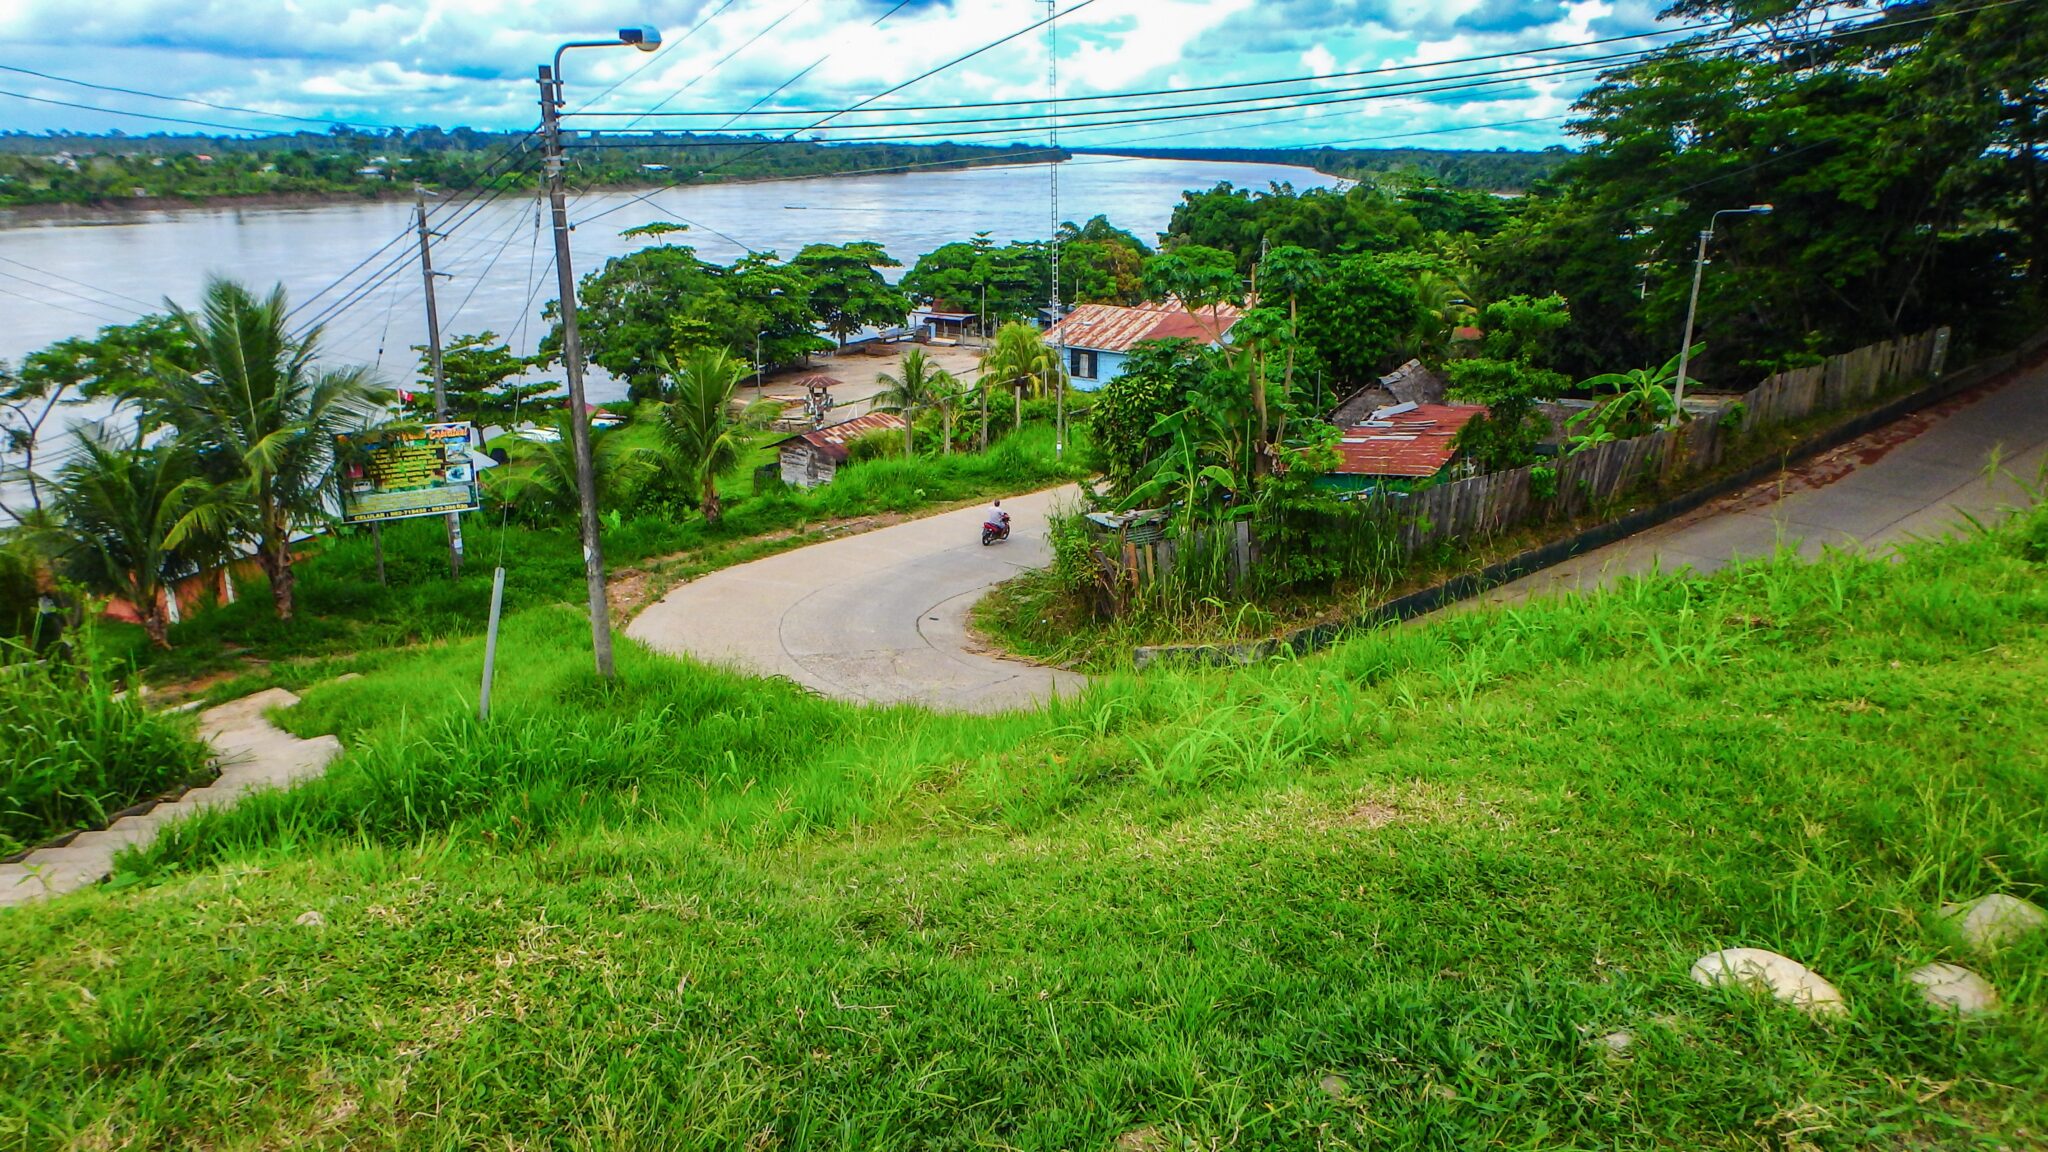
(1599, 477)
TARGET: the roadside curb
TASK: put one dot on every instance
(251, 753)
(1467, 585)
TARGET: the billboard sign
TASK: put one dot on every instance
(412, 470)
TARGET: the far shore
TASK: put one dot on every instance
(116, 210)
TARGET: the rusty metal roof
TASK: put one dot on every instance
(832, 441)
(1417, 442)
(1114, 328)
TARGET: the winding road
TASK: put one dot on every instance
(882, 617)
(879, 617)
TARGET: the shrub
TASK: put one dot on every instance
(880, 445)
(73, 749)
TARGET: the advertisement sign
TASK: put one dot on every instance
(393, 473)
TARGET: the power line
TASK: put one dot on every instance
(722, 62)
(80, 283)
(1204, 88)
(925, 75)
(652, 59)
(131, 115)
(190, 100)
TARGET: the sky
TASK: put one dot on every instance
(447, 62)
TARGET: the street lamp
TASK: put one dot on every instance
(757, 358)
(1698, 268)
(647, 40)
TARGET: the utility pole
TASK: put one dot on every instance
(1059, 348)
(572, 368)
(419, 195)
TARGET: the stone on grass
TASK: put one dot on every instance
(1615, 1045)
(1953, 988)
(311, 919)
(1334, 1085)
(1786, 979)
(1146, 1139)
(1988, 922)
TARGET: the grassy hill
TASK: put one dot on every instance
(1380, 898)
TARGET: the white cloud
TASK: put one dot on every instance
(472, 61)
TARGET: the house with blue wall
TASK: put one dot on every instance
(1097, 339)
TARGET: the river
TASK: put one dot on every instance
(68, 275)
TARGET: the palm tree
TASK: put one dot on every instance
(551, 486)
(1443, 304)
(918, 385)
(702, 439)
(260, 416)
(136, 519)
(1019, 359)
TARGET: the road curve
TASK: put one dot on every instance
(879, 617)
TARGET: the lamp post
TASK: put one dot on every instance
(757, 358)
(1698, 268)
(647, 40)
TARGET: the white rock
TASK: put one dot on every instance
(1334, 1085)
(311, 919)
(1784, 978)
(1990, 921)
(1614, 1045)
(1954, 988)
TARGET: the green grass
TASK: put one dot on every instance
(692, 910)
(347, 621)
(74, 747)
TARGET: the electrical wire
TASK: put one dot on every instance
(722, 62)
(1237, 86)
(922, 76)
(80, 283)
(193, 100)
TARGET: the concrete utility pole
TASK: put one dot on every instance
(434, 363)
(1699, 268)
(1059, 349)
(572, 368)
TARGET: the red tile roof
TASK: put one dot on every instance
(1415, 443)
(832, 441)
(1114, 328)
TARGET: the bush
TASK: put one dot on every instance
(878, 445)
(71, 751)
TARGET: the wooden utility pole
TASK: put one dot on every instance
(572, 369)
(434, 363)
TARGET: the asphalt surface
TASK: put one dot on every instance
(1917, 478)
(878, 617)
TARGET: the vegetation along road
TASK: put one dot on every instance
(878, 617)
(1918, 477)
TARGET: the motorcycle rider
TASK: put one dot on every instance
(995, 517)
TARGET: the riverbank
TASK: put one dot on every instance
(129, 208)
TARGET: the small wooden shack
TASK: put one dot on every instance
(813, 458)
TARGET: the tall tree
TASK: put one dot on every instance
(110, 364)
(482, 381)
(1199, 277)
(847, 291)
(260, 414)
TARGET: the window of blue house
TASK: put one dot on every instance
(1081, 363)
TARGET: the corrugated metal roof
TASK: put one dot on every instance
(832, 441)
(1415, 443)
(1114, 328)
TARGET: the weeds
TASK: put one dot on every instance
(694, 910)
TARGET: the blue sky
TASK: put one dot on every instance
(447, 62)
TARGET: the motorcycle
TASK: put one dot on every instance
(991, 533)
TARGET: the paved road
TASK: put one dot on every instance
(1914, 479)
(879, 617)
